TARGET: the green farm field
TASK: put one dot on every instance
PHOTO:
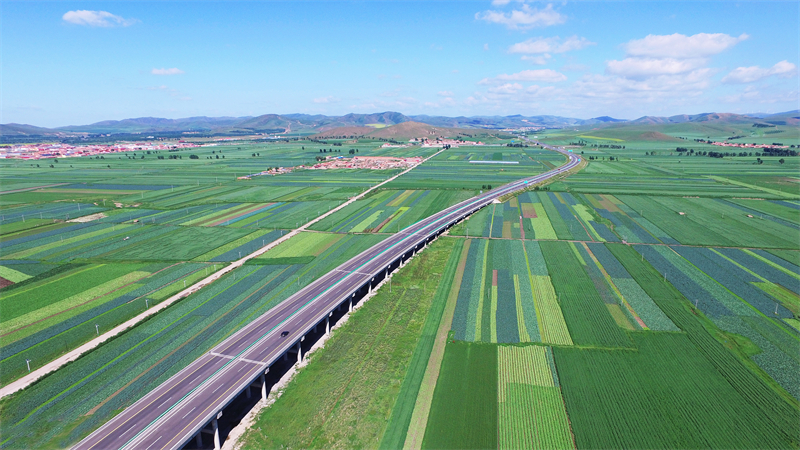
(131, 364)
(391, 210)
(651, 300)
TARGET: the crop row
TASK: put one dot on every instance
(62, 211)
(78, 326)
(464, 411)
(390, 210)
(145, 355)
(531, 411)
(586, 316)
(776, 413)
(666, 377)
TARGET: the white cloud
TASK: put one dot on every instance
(538, 59)
(445, 94)
(656, 88)
(548, 75)
(508, 88)
(673, 54)
(96, 19)
(162, 71)
(648, 67)
(755, 73)
(486, 46)
(524, 18)
(445, 102)
(753, 95)
(682, 46)
(328, 99)
(550, 45)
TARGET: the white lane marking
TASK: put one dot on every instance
(165, 401)
(221, 355)
(190, 411)
(350, 271)
(154, 443)
(215, 390)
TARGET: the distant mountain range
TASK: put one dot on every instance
(306, 123)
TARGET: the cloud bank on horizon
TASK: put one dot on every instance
(583, 59)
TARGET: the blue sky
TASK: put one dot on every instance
(80, 62)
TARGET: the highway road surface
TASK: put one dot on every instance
(171, 414)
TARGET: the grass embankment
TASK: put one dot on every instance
(344, 397)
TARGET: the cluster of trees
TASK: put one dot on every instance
(768, 151)
(610, 158)
(608, 146)
(515, 145)
(176, 157)
(318, 141)
(487, 187)
(323, 150)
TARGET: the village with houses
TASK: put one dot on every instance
(61, 150)
(341, 162)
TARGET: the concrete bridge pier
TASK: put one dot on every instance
(299, 351)
(263, 379)
(214, 431)
(328, 324)
(261, 383)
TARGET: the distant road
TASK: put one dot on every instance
(175, 411)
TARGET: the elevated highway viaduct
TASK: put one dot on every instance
(189, 404)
